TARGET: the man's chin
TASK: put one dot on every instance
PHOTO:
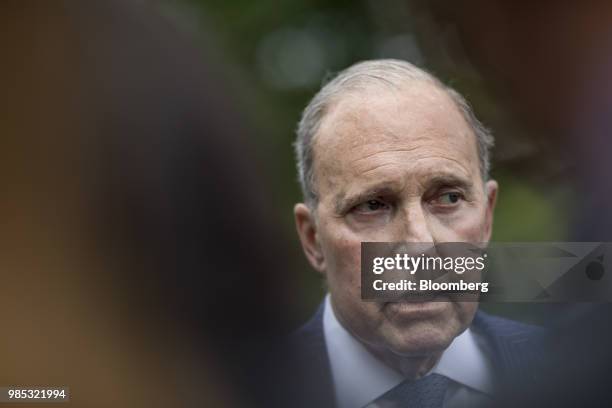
(422, 339)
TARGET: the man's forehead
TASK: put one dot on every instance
(359, 125)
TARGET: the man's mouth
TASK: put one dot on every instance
(414, 310)
(420, 297)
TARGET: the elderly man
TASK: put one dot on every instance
(388, 153)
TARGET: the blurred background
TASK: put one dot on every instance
(279, 53)
(148, 171)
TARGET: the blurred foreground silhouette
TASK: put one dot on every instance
(140, 266)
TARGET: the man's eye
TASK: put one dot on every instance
(371, 206)
(449, 198)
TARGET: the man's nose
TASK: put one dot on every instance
(414, 224)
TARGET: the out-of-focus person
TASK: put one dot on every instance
(137, 257)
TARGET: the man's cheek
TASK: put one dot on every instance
(345, 247)
(349, 261)
(473, 227)
(345, 266)
(467, 226)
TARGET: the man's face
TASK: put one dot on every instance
(391, 166)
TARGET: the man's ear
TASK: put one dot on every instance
(307, 231)
(491, 189)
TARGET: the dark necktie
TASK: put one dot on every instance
(426, 392)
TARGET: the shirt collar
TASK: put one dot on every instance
(465, 363)
(359, 377)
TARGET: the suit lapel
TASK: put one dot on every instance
(315, 365)
(514, 347)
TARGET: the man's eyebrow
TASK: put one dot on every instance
(449, 180)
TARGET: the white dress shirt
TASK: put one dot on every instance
(359, 377)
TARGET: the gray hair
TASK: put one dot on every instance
(386, 71)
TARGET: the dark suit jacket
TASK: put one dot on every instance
(513, 347)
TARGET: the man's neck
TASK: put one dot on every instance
(412, 367)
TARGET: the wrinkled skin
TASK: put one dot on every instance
(394, 165)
